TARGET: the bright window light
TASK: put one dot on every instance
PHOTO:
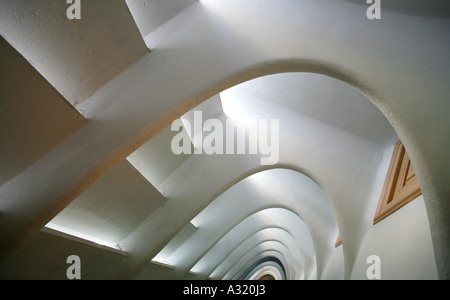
(81, 235)
(236, 108)
(160, 259)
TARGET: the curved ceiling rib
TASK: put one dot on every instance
(271, 218)
(232, 267)
(241, 250)
(289, 97)
(296, 259)
(333, 142)
(299, 260)
(272, 254)
(235, 206)
(191, 182)
(255, 264)
(269, 267)
(345, 144)
(252, 254)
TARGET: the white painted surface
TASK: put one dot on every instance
(400, 63)
(149, 15)
(77, 57)
(34, 118)
(112, 207)
(403, 243)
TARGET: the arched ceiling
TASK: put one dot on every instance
(240, 217)
(246, 209)
(269, 221)
(333, 141)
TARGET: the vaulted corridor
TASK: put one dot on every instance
(223, 139)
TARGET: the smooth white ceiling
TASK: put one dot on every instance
(322, 98)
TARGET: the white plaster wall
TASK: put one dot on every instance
(403, 243)
(75, 56)
(401, 240)
(334, 269)
(34, 117)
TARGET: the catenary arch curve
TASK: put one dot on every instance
(279, 218)
(264, 258)
(241, 261)
(428, 172)
(264, 266)
(288, 160)
(430, 164)
(253, 254)
(240, 205)
(225, 239)
(265, 271)
(225, 254)
(279, 68)
(264, 217)
(376, 84)
(272, 255)
(295, 260)
(237, 253)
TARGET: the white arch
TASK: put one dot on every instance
(295, 259)
(267, 271)
(264, 258)
(279, 218)
(416, 105)
(188, 195)
(244, 199)
(254, 254)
